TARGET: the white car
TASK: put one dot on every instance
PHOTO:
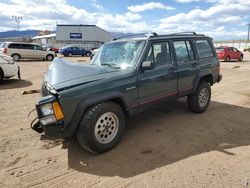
(8, 67)
(22, 50)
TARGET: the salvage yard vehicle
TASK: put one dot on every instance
(228, 53)
(8, 67)
(74, 50)
(126, 76)
(22, 50)
(247, 49)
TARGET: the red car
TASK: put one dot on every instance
(227, 53)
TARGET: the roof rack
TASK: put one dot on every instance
(153, 34)
(185, 32)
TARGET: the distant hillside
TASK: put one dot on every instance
(32, 33)
(14, 33)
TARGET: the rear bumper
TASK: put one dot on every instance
(219, 78)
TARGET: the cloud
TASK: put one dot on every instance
(96, 5)
(224, 19)
(149, 6)
(204, 1)
(233, 17)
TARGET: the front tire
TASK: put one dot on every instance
(241, 58)
(199, 101)
(49, 57)
(101, 127)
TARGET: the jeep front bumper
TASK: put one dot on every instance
(50, 116)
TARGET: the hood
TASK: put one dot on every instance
(62, 74)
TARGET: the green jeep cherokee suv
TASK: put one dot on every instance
(125, 77)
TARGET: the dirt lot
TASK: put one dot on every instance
(168, 146)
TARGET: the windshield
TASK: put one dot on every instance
(122, 54)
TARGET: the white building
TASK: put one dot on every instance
(87, 36)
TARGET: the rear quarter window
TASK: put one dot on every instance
(14, 45)
(2, 45)
(204, 48)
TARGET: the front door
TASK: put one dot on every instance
(160, 82)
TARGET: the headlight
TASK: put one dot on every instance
(48, 120)
(47, 109)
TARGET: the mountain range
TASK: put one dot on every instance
(32, 33)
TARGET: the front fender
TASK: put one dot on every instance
(85, 103)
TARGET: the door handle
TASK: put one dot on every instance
(194, 64)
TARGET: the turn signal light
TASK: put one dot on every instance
(57, 111)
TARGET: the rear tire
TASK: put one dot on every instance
(227, 59)
(16, 57)
(49, 57)
(101, 127)
(1, 75)
(199, 101)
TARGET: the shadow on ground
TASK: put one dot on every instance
(166, 135)
(14, 83)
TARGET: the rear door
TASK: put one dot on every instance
(187, 64)
(26, 51)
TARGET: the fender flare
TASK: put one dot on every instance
(198, 78)
(85, 103)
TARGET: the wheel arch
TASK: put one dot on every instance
(200, 78)
(85, 104)
(16, 54)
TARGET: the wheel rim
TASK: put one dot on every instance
(16, 57)
(106, 128)
(70, 54)
(203, 97)
(49, 57)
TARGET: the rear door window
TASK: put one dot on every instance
(184, 51)
(27, 46)
(204, 49)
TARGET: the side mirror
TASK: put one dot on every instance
(147, 65)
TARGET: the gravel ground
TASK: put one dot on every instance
(168, 146)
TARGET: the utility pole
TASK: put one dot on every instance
(17, 19)
(248, 33)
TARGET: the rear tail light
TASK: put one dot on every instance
(5, 50)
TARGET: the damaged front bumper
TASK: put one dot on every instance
(50, 118)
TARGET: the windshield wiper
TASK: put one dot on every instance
(112, 65)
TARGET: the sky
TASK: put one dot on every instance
(220, 19)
